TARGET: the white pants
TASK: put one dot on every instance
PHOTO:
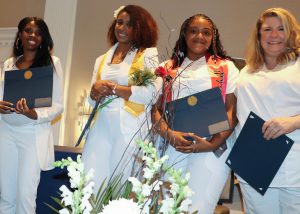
(208, 177)
(104, 150)
(275, 201)
(19, 170)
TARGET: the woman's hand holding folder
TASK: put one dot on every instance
(22, 108)
(178, 138)
(198, 144)
(6, 107)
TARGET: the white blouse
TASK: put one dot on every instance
(272, 94)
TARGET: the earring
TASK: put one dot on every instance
(40, 47)
(17, 43)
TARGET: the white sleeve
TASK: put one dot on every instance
(6, 65)
(233, 74)
(94, 78)
(47, 114)
(241, 74)
(148, 95)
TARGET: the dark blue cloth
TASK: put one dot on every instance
(50, 183)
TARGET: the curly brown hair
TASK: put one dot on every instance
(145, 30)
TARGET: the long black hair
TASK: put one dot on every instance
(43, 55)
(215, 49)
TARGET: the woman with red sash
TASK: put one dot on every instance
(110, 143)
(198, 63)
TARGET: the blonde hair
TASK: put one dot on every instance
(254, 53)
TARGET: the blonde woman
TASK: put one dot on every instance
(270, 87)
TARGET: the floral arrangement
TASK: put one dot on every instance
(177, 201)
(141, 77)
(145, 193)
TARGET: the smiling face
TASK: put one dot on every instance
(272, 37)
(123, 28)
(31, 37)
(198, 37)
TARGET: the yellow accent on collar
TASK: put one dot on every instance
(135, 109)
(100, 67)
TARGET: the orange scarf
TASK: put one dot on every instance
(217, 69)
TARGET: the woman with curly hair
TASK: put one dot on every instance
(110, 148)
(198, 63)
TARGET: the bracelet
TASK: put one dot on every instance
(114, 89)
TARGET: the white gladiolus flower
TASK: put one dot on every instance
(67, 195)
(64, 211)
(167, 205)
(90, 175)
(184, 206)
(148, 173)
(156, 185)
(187, 191)
(146, 190)
(136, 184)
(174, 189)
(85, 204)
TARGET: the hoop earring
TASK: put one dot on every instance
(17, 43)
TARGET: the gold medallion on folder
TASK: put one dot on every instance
(192, 100)
(27, 74)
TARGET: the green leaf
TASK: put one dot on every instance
(57, 201)
(108, 191)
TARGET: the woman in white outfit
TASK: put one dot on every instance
(270, 87)
(26, 139)
(199, 63)
(110, 143)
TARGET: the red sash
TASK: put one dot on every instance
(217, 69)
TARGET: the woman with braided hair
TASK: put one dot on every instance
(198, 63)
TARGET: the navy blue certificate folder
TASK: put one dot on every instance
(33, 84)
(255, 159)
(202, 113)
